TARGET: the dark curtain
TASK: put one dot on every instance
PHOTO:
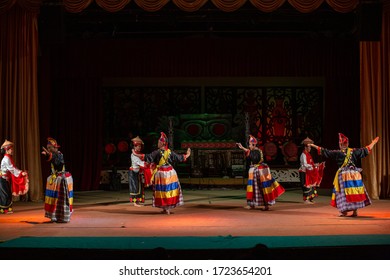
(19, 115)
(76, 123)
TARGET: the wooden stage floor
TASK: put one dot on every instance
(210, 222)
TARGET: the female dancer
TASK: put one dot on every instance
(59, 185)
(167, 193)
(349, 192)
(262, 189)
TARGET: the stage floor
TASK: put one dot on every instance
(209, 217)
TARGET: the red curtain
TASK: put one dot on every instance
(19, 88)
(375, 108)
(303, 6)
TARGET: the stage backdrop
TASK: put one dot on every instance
(215, 110)
(77, 69)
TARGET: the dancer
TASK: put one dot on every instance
(349, 192)
(13, 182)
(262, 189)
(59, 185)
(167, 193)
(140, 174)
(310, 173)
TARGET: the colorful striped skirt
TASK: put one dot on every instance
(59, 197)
(167, 190)
(262, 188)
(352, 194)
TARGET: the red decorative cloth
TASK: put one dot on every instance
(314, 176)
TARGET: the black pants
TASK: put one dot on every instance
(5, 194)
(308, 192)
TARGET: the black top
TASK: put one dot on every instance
(339, 156)
(58, 161)
(256, 156)
(156, 155)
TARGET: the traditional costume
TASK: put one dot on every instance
(59, 187)
(310, 173)
(262, 188)
(167, 193)
(13, 182)
(140, 175)
(349, 192)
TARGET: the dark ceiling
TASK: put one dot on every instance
(132, 22)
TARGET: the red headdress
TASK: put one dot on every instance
(343, 141)
(164, 139)
(252, 140)
(52, 142)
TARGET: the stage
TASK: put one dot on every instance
(212, 224)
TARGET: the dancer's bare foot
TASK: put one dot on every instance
(166, 211)
(249, 207)
(343, 214)
(354, 213)
(137, 204)
(266, 208)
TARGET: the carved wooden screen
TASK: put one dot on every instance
(276, 115)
